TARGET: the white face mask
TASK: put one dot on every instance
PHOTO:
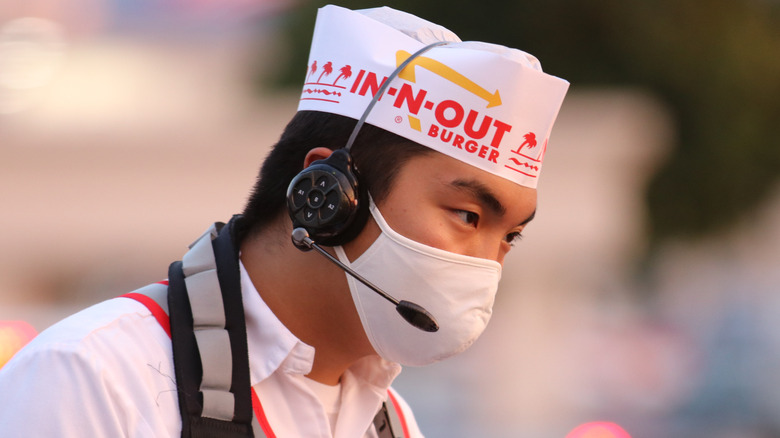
(457, 290)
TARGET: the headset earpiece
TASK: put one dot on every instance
(328, 201)
(326, 198)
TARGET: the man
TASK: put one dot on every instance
(445, 185)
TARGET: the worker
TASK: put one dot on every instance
(374, 238)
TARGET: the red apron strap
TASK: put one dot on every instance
(159, 313)
(395, 408)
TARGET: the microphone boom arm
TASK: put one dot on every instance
(411, 312)
(313, 245)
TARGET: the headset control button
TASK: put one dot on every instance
(331, 205)
(324, 182)
(309, 216)
(300, 192)
(316, 198)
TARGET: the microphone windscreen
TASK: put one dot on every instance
(417, 316)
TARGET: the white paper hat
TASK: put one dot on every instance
(484, 104)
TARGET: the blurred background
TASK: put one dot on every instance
(643, 298)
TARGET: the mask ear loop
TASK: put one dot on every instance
(384, 86)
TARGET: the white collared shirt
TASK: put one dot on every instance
(107, 371)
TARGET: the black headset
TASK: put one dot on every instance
(327, 198)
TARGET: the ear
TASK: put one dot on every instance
(315, 154)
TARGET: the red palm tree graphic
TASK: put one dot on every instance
(345, 72)
(326, 70)
(313, 69)
(530, 141)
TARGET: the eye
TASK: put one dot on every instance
(468, 217)
(513, 238)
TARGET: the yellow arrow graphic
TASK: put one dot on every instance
(493, 99)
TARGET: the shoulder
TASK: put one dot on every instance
(107, 368)
(117, 327)
(406, 414)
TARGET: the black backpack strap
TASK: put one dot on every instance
(208, 333)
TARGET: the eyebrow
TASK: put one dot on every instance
(482, 193)
(530, 218)
(486, 197)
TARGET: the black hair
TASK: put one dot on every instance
(378, 156)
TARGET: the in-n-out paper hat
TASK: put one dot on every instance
(484, 104)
